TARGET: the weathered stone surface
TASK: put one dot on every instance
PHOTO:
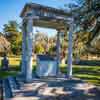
(56, 89)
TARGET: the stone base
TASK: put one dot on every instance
(52, 89)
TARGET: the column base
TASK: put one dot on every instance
(28, 81)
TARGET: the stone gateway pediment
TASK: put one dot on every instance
(45, 16)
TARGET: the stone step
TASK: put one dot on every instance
(34, 86)
(25, 98)
(28, 89)
(52, 91)
(14, 83)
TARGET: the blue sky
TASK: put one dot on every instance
(10, 10)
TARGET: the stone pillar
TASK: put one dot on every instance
(58, 50)
(23, 64)
(70, 46)
(29, 50)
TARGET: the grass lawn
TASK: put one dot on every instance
(7, 73)
(90, 74)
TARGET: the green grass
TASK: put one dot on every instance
(90, 74)
(5, 74)
(14, 63)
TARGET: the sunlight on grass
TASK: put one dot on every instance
(89, 78)
(14, 61)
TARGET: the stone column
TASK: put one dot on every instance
(23, 66)
(58, 50)
(70, 46)
(29, 50)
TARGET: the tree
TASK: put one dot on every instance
(4, 45)
(14, 36)
(1, 33)
(87, 21)
(39, 49)
(41, 41)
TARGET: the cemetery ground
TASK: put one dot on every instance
(87, 73)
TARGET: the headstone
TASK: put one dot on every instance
(46, 66)
(5, 63)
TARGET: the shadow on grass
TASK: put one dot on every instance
(4, 74)
(89, 62)
(13, 71)
(90, 73)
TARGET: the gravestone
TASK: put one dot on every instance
(46, 66)
(5, 63)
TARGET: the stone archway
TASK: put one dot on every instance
(38, 15)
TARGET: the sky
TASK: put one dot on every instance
(11, 9)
